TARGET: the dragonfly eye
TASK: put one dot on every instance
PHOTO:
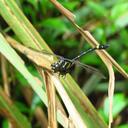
(54, 65)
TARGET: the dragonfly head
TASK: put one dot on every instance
(57, 65)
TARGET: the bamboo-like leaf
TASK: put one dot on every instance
(18, 63)
(10, 111)
(15, 18)
(50, 90)
(28, 36)
(72, 110)
(107, 59)
(38, 58)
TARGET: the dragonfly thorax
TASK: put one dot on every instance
(62, 66)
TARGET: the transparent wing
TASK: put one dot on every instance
(89, 69)
(55, 55)
(50, 54)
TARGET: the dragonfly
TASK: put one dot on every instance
(64, 65)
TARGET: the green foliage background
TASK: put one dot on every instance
(107, 20)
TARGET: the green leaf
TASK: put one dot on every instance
(20, 78)
(124, 37)
(91, 59)
(16, 61)
(119, 103)
(119, 14)
(99, 34)
(103, 114)
(70, 43)
(70, 5)
(35, 102)
(34, 3)
(118, 10)
(97, 9)
(123, 126)
(22, 107)
(11, 112)
(122, 21)
(5, 124)
(54, 23)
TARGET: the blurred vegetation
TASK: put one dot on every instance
(107, 20)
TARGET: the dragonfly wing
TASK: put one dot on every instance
(89, 69)
(55, 55)
(51, 54)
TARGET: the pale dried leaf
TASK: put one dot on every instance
(50, 90)
(78, 122)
